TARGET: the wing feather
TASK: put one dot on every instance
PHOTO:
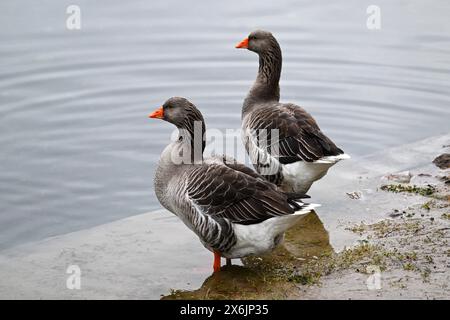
(240, 196)
(300, 138)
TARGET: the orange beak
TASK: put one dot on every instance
(157, 114)
(243, 44)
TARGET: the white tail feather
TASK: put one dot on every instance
(261, 237)
(282, 223)
(333, 159)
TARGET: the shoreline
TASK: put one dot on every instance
(133, 259)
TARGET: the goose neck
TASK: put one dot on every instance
(266, 86)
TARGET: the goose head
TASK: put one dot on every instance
(178, 111)
(187, 118)
(258, 41)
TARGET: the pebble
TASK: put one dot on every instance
(443, 161)
(401, 177)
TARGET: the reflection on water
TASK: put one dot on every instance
(265, 277)
(77, 149)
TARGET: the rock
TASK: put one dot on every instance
(443, 161)
(354, 195)
(401, 177)
(424, 175)
(395, 214)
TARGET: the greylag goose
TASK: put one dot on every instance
(283, 141)
(231, 208)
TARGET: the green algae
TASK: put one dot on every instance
(303, 260)
(397, 188)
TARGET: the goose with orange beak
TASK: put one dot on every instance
(232, 209)
(303, 153)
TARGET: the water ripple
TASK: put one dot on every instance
(78, 149)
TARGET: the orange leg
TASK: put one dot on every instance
(216, 261)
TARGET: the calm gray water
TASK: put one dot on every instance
(77, 148)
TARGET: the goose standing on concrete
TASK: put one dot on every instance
(231, 208)
(283, 141)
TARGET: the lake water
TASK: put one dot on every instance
(77, 148)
